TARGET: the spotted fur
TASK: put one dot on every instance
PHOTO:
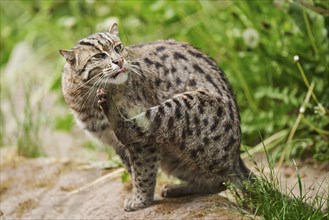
(162, 104)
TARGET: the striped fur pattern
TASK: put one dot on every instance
(162, 104)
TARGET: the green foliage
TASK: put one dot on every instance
(64, 123)
(263, 197)
(266, 201)
(253, 41)
(125, 177)
(94, 144)
(28, 142)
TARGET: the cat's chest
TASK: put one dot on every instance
(130, 107)
(91, 120)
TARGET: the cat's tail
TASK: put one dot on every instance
(246, 177)
(243, 173)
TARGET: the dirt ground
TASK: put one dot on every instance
(49, 188)
(44, 188)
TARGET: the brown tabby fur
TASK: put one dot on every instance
(162, 104)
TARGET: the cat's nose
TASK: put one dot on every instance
(118, 62)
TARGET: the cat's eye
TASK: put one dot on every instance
(100, 56)
(118, 48)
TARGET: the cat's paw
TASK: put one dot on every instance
(103, 100)
(133, 204)
(168, 191)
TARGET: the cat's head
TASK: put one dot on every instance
(99, 58)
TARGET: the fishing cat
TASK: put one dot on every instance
(161, 104)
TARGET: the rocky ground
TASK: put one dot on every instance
(49, 188)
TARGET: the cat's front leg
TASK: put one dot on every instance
(144, 166)
(126, 130)
(110, 111)
(117, 121)
(105, 104)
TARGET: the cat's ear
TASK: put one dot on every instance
(69, 56)
(114, 29)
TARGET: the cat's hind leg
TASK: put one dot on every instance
(186, 189)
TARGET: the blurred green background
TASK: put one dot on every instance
(283, 98)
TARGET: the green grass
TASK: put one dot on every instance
(253, 41)
(265, 198)
(28, 123)
(266, 201)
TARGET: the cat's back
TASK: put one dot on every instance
(177, 67)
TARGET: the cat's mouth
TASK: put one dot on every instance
(116, 73)
(117, 76)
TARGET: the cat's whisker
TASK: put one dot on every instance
(137, 60)
(89, 80)
(137, 71)
(140, 71)
(85, 83)
(92, 90)
(85, 97)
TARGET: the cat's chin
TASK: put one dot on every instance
(119, 79)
